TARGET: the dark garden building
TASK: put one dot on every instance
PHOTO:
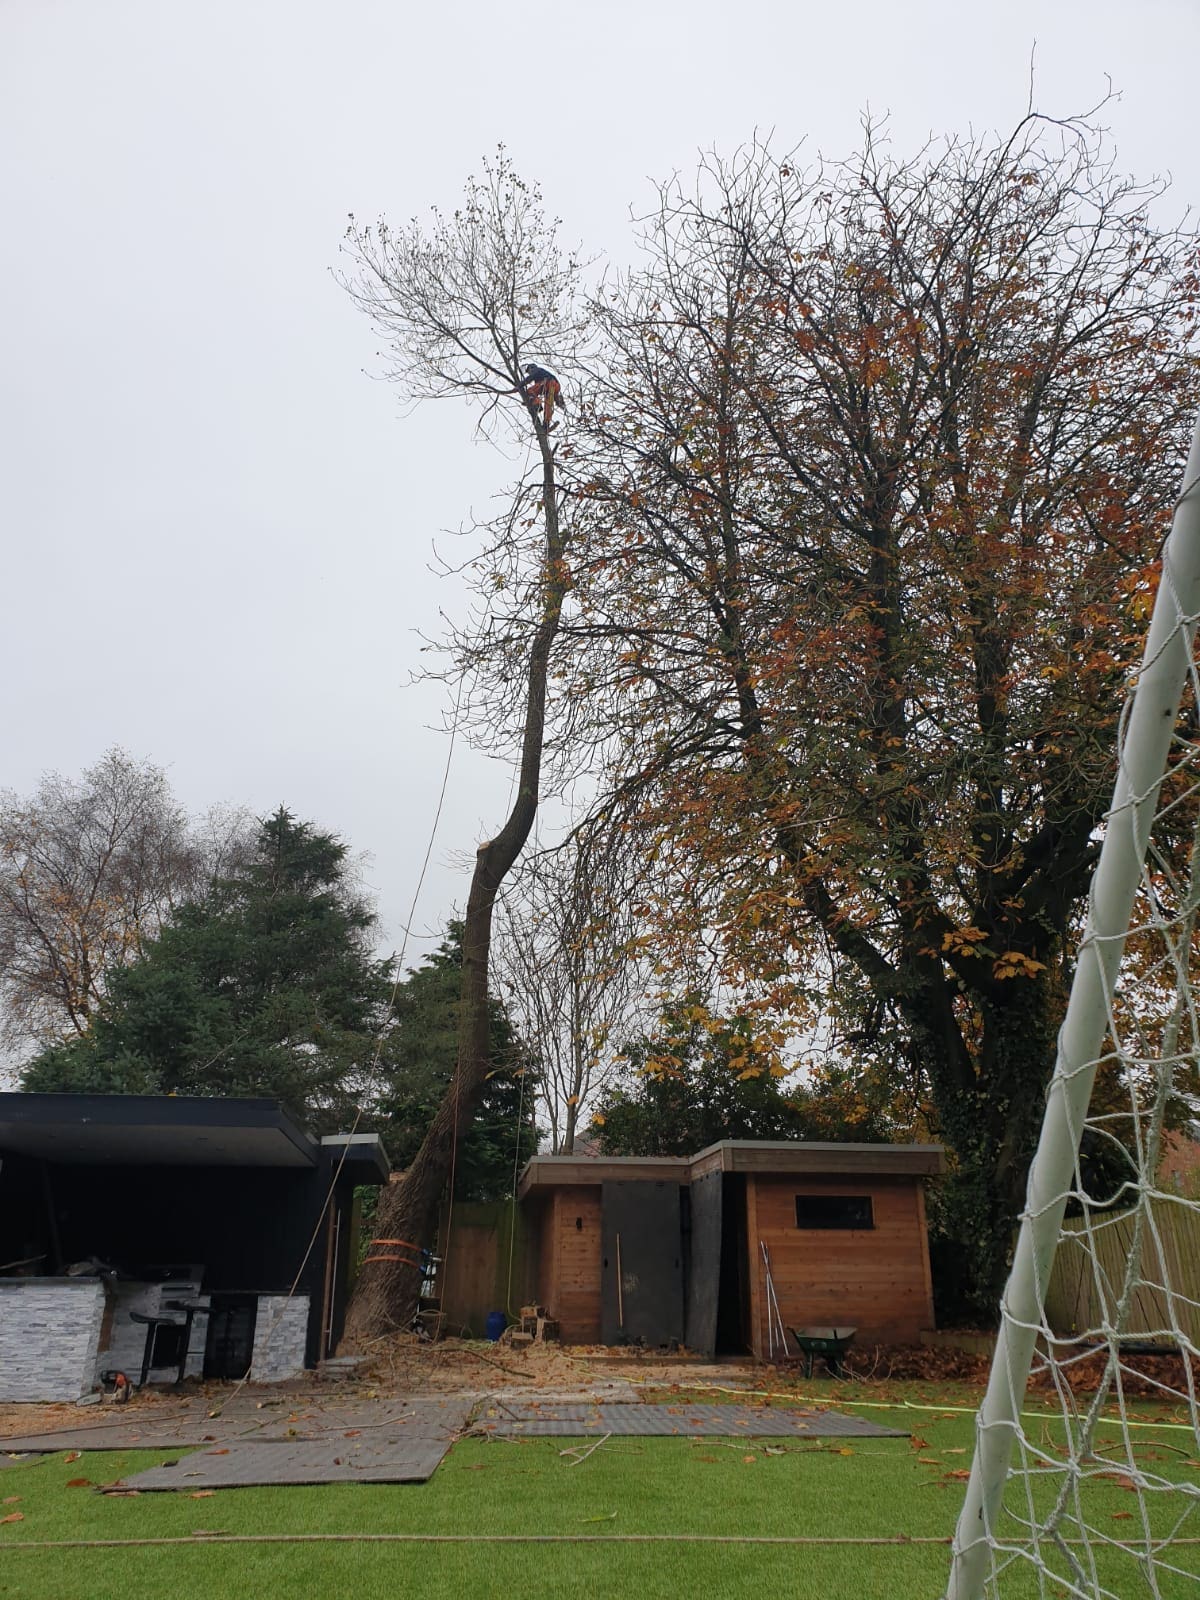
(166, 1236)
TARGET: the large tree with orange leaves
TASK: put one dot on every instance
(880, 464)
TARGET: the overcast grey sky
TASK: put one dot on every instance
(216, 526)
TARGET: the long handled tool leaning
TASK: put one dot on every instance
(775, 1329)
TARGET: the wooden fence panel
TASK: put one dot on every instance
(1089, 1273)
(474, 1277)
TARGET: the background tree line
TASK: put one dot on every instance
(146, 954)
(240, 961)
(821, 597)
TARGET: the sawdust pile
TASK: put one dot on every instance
(23, 1417)
(402, 1363)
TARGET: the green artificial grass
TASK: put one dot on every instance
(907, 1489)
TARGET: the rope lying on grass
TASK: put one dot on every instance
(837, 1402)
(466, 1538)
(495, 1538)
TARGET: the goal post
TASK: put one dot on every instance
(1146, 732)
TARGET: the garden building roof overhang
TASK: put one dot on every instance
(174, 1130)
(781, 1157)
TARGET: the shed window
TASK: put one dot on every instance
(834, 1211)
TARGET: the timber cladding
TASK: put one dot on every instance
(569, 1264)
(844, 1226)
(874, 1279)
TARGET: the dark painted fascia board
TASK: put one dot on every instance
(554, 1172)
(363, 1150)
(825, 1158)
(152, 1110)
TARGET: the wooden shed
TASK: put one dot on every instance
(670, 1250)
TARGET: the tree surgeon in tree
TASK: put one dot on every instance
(539, 385)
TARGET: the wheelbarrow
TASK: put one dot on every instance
(830, 1344)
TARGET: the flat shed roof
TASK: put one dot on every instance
(766, 1156)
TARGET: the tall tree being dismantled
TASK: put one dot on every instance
(467, 304)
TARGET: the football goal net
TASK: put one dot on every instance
(1100, 1496)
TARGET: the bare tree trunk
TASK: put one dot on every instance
(568, 1139)
(577, 1068)
(386, 1293)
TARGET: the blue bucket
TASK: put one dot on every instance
(496, 1324)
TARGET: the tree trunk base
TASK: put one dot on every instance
(388, 1291)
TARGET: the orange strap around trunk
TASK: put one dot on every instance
(410, 1260)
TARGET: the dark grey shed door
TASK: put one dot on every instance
(640, 1227)
(704, 1266)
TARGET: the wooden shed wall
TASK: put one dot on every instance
(876, 1280)
(569, 1261)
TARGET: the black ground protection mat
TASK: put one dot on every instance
(514, 1418)
(407, 1460)
(247, 1418)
